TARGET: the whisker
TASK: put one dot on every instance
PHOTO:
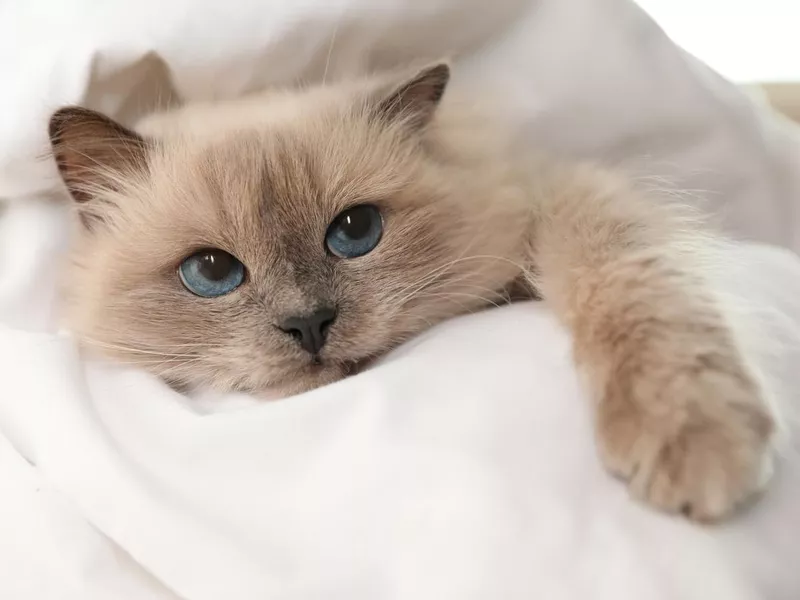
(430, 274)
(449, 295)
(156, 346)
(132, 350)
(166, 361)
(442, 270)
(330, 50)
(457, 284)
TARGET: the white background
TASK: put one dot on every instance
(745, 40)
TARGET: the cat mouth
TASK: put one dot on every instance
(346, 368)
(317, 372)
(332, 370)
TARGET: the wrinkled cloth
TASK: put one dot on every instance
(463, 466)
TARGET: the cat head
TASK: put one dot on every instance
(281, 251)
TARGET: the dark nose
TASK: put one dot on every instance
(311, 330)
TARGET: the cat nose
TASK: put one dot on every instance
(310, 330)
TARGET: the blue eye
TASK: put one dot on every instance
(211, 273)
(355, 232)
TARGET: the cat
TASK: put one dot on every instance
(286, 240)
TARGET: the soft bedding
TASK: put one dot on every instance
(462, 466)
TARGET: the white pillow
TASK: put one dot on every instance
(461, 468)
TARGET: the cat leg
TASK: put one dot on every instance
(680, 414)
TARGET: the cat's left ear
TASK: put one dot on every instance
(93, 151)
(414, 100)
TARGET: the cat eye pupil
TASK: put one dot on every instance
(355, 232)
(214, 266)
(355, 225)
(211, 273)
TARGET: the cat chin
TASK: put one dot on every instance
(291, 383)
(305, 380)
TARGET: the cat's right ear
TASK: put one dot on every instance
(414, 100)
(93, 152)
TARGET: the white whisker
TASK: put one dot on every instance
(132, 350)
(330, 50)
(443, 269)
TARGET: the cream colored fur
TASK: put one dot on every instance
(469, 222)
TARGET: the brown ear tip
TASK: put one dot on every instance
(439, 71)
(60, 118)
(65, 116)
(439, 76)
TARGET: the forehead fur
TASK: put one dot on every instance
(233, 186)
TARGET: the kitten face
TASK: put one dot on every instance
(267, 195)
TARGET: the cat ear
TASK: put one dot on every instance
(93, 151)
(415, 100)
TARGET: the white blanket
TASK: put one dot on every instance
(463, 467)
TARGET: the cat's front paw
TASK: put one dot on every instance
(696, 439)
